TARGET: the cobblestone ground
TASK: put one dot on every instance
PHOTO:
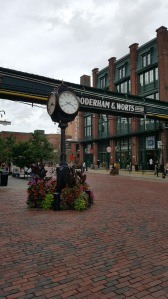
(116, 249)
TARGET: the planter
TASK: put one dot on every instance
(114, 171)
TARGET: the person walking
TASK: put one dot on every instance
(156, 169)
(98, 163)
(84, 166)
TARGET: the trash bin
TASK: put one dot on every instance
(3, 178)
(136, 167)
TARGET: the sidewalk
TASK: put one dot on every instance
(117, 249)
(123, 172)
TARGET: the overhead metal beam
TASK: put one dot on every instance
(25, 87)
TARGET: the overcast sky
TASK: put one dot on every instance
(64, 39)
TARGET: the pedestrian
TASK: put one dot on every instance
(98, 163)
(84, 166)
(150, 163)
(166, 167)
(156, 169)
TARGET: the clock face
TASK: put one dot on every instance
(51, 104)
(68, 102)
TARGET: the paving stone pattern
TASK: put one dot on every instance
(116, 249)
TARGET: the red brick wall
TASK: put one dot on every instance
(162, 44)
(54, 139)
(94, 77)
(111, 74)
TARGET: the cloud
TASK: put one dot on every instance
(66, 39)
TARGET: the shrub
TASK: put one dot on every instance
(81, 202)
(37, 191)
(48, 202)
(74, 196)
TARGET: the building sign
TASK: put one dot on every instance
(150, 142)
(111, 105)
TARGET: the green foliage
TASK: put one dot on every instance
(40, 148)
(20, 154)
(81, 202)
(47, 203)
(2, 151)
(68, 196)
(6, 145)
(25, 153)
(37, 148)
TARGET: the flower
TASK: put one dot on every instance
(37, 191)
(75, 196)
(68, 196)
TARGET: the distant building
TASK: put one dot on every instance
(113, 139)
(54, 139)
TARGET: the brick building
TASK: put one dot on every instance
(143, 72)
(54, 139)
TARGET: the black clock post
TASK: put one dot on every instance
(63, 127)
(62, 106)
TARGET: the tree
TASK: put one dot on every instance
(2, 150)
(6, 145)
(40, 147)
(21, 155)
(36, 149)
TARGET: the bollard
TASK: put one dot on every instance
(56, 202)
(90, 202)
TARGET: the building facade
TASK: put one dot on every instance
(139, 142)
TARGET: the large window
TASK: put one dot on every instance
(121, 72)
(148, 77)
(154, 96)
(102, 82)
(148, 124)
(124, 87)
(123, 125)
(123, 152)
(146, 59)
(103, 125)
(87, 126)
(148, 80)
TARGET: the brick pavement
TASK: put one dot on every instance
(116, 249)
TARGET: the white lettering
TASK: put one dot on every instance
(107, 105)
(99, 103)
(95, 103)
(125, 107)
(104, 104)
(113, 106)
